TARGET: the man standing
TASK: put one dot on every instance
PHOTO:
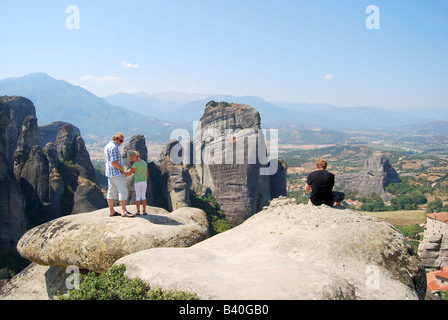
(116, 181)
(321, 183)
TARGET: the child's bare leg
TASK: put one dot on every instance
(144, 206)
(137, 203)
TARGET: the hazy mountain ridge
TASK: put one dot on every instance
(318, 123)
(279, 114)
(58, 100)
(156, 115)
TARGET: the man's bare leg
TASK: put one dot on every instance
(110, 203)
(123, 207)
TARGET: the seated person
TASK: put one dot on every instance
(321, 183)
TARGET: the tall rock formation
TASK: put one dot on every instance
(54, 172)
(176, 180)
(49, 132)
(229, 146)
(56, 182)
(32, 172)
(87, 195)
(19, 109)
(12, 201)
(277, 181)
(376, 175)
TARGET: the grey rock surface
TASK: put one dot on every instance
(36, 282)
(49, 132)
(291, 251)
(19, 109)
(175, 180)
(71, 148)
(94, 241)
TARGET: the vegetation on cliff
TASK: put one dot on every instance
(115, 285)
(216, 218)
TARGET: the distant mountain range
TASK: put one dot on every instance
(157, 115)
(280, 114)
(58, 100)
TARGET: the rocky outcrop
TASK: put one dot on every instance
(41, 174)
(19, 108)
(226, 158)
(36, 282)
(376, 175)
(56, 182)
(87, 195)
(277, 181)
(54, 171)
(49, 132)
(31, 170)
(291, 251)
(176, 180)
(94, 241)
(12, 202)
(228, 148)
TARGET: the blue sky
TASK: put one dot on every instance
(285, 50)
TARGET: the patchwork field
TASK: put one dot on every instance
(401, 217)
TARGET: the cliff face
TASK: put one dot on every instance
(228, 147)
(12, 202)
(176, 179)
(72, 152)
(19, 109)
(376, 175)
(57, 178)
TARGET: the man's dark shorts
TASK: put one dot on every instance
(338, 196)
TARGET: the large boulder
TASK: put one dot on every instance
(36, 282)
(291, 251)
(94, 240)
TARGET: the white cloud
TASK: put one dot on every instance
(328, 77)
(101, 81)
(170, 89)
(194, 90)
(129, 65)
